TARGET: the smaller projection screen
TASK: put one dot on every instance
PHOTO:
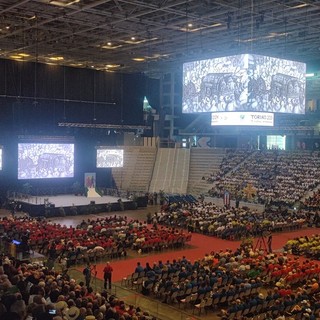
(109, 158)
(0, 158)
(276, 142)
(246, 82)
(45, 160)
(242, 119)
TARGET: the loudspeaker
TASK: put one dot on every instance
(92, 202)
(142, 202)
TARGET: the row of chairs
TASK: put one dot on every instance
(172, 244)
(139, 277)
(188, 297)
(261, 312)
(199, 302)
(238, 233)
(92, 256)
(292, 281)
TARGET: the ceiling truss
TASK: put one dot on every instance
(155, 35)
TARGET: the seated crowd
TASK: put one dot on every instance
(228, 223)
(313, 201)
(112, 235)
(232, 158)
(245, 282)
(277, 176)
(305, 246)
(31, 291)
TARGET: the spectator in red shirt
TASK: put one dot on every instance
(107, 274)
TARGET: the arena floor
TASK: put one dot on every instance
(199, 245)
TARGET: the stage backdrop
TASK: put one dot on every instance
(90, 179)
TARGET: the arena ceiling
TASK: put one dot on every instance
(155, 35)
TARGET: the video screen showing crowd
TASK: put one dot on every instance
(109, 158)
(244, 82)
(42, 161)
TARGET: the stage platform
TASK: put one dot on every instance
(68, 200)
(69, 204)
(31, 257)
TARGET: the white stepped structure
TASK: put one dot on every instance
(122, 176)
(203, 163)
(92, 193)
(174, 170)
(171, 171)
(181, 171)
(143, 169)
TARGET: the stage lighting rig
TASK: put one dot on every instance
(120, 127)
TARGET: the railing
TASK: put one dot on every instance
(165, 143)
(24, 197)
(131, 297)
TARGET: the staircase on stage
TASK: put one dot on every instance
(92, 193)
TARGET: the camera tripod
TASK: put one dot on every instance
(261, 244)
(94, 272)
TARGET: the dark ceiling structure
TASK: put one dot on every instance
(155, 35)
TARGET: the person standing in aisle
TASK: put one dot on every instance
(87, 275)
(107, 275)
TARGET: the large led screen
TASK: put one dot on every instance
(244, 82)
(109, 158)
(45, 160)
(242, 119)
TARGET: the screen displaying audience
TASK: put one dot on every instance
(45, 160)
(245, 82)
(109, 158)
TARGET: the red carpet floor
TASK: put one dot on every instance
(200, 245)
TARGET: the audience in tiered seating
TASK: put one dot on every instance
(229, 223)
(30, 291)
(313, 202)
(232, 158)
(244, 283)
(277, 176)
